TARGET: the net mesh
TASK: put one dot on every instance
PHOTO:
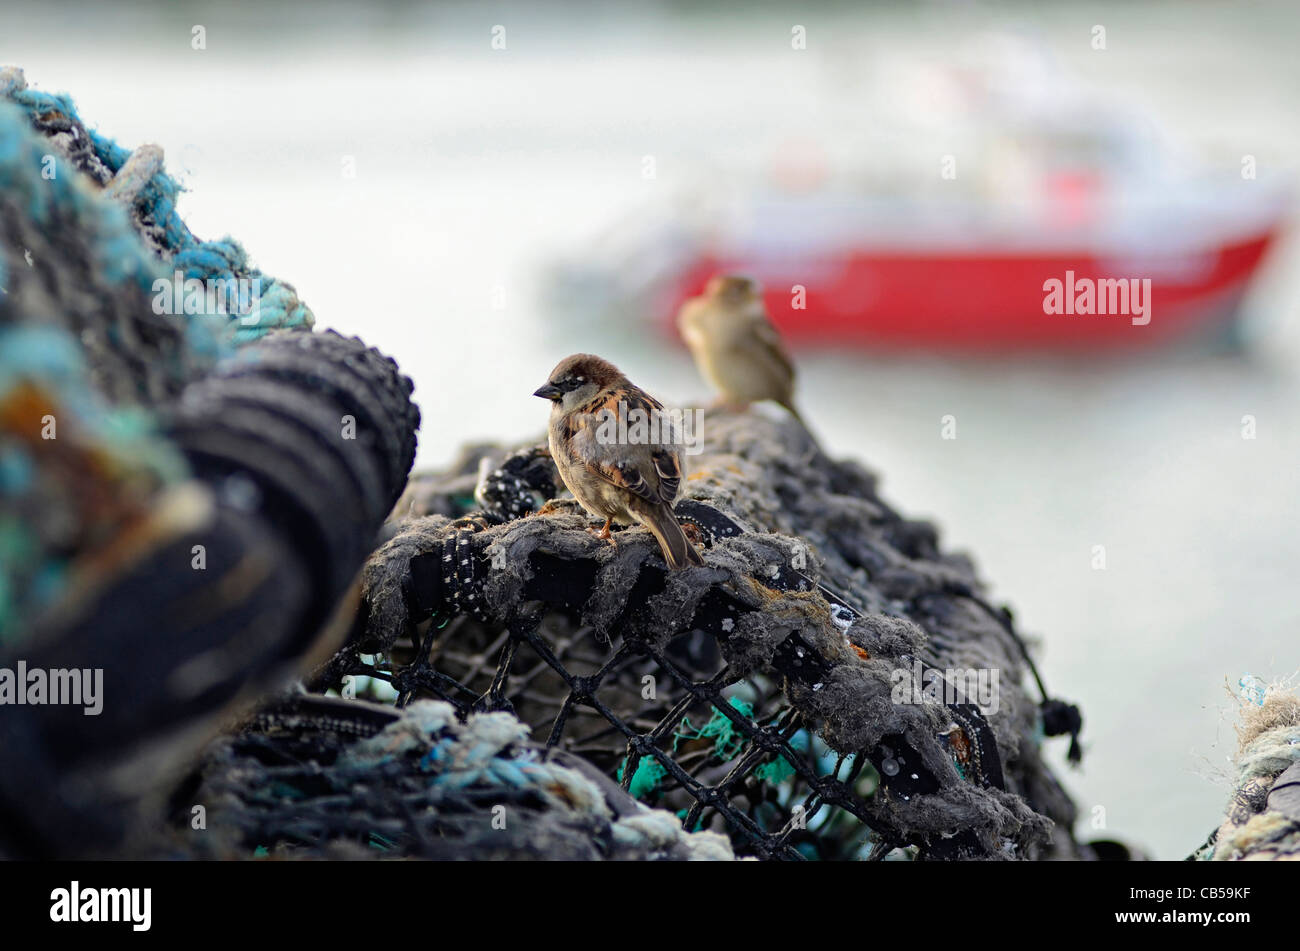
(678, 727)
(725, 696)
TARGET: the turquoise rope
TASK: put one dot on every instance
(156, 196)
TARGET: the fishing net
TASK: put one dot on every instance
(787, 696)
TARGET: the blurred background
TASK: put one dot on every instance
(480, 189)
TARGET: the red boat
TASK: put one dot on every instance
(987, 298)
(883, 244)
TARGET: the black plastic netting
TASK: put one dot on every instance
(775, 697)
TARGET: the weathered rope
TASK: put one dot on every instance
(137, 182)
(1263, 815)
(436, 786)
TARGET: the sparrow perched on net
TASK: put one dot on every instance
(618, 451)
(735, 346)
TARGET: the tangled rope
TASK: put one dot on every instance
(436, 786)
(136, 182)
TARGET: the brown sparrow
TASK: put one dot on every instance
(617, 450)
(734, 344)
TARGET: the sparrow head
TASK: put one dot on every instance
(732, 288)
(577, 379)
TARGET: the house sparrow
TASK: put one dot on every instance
(734, 344)
(623, 473)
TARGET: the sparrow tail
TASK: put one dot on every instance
(789, 406)
(677, 548)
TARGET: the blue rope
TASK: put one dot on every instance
(155, 197)
(124, 215)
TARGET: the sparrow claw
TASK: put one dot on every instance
(604, 534)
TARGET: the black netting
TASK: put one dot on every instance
(747, 698)
(724, 752)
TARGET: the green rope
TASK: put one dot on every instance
(727, 742)
(649, 774)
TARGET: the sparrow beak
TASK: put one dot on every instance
(548, 391)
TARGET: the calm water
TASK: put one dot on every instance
(474, 168)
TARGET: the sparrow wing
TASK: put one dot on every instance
(770, 339)
(669, 467)
(650, 472)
